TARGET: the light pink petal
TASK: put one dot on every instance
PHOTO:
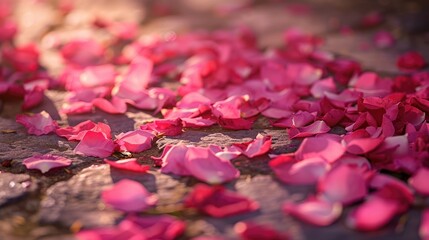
(259, 146)
(114, 106)
(197, 122)
(344, 184)
(424, 225)
(46, 162)
(228, 153)
(314, 211)
(326, 148)
(76, 108)
(216, 201)
(137, 78)
(193, 100)
(129, 164)
(305, 172)
(204, 165)
(319, 88)
(420, 181)
(229, 108)
(37, 124)
(317, 127)
(129, 196)
(95, 76)
(299, 119)
(135, 141)
(173, 160)
(95, 144)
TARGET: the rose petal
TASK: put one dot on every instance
(259, 146)
(37, 124)
(314, 211)
(253, 231)
(129, 196)
(46, 162)
(326, 148)
(216, 201)
(95, 144)
(419, 181)
(135, 141)
(129, 164)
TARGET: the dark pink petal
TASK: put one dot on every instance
(37, 124)
(114, 106)
(259, 146)
(291, 171)
(135, 141)
(314, 211)
(363, 145)
(411, 61)
(216, 201)
(166, 127)
(424, 225)
(229, 108)
(22, 59)
(298, 119)
(317, 127)
(204, 165)
(32, 99)
(252, 231)
(129, 164)
(344, 184)
(154, 227)
(419, 181)
(319, 88)
(95, 144)
(77, 132)
(83, 52)
(323, 147)
(46, 162)
(129, 196)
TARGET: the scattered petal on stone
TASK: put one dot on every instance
(37, 124)
(216, 201)
(77, 132)
(135, 141)
(129, 164)
(344, 184)
(46, 162)
(259, 146)
(95, 144)
(317, 127)
(252, 231)
(314, 211)
(324, 147)
(129, 196)
(419, 181)
(166, 127)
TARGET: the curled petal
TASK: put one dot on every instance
(37, 124)
(256, 147)
(167, 127)
(46, 162)
(129, 196)
(317, 127)
(135, 141)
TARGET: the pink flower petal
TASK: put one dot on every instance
(253, 231)
(135, 141)
(76, 108)
(317, 127)
(259, 146)
(154, 227)
(32, 99)
(137, 78)
(173, 160)
(73, 133)
(216, 201)
(411, 61)
(166, 127)
(95, 144)
(114, 106)
(291, 171)
(83, 52)
(204, 165)
(46, 162)
(319, 88)
(419, 181)
(363, 145)
(197, 122)
(344, 184)
(424, 225)
(129, 196)
(298, 119)
(129, 164)
(236, 124)
(37, 124)
(314, 211)
(323, 147)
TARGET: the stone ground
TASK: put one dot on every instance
(56, 204)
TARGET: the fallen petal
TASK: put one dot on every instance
(37, 124)
(129, 164)
(46, 162)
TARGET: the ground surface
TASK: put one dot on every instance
(56, 204)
